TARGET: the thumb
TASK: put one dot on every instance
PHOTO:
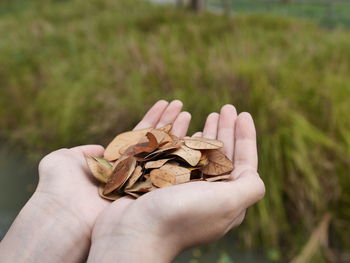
(91, 149)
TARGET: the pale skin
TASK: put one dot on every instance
(66, 220)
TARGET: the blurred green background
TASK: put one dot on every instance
(80, 71)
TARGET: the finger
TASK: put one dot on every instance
(181, 124)
(211, 126)
(242, 192)
(87, 150)
(236, 220)
(92, 149)
(226, 129)
(198, 134)
(170, 114)
(153, 115)
(246, 156)
(249, 188)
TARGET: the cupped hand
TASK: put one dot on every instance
(56, 223)
(159, 225)
(65, 177)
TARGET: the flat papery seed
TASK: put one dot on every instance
(123, 140)
(135, 195)
(201, 143)
(141, 149)
(181, 174)
(172, 162)
(142, 146)
(167, 139)
(158, 135)
(167, 128)
(99, 170)
(166, 144)
(111, 196)
(171, 141)
(191, 156)
(152, 140)
(134, 177)
(127, 150)
(122, 158)
(142, 187)
(218, 164)
(143, 139)
(104, 162)
(162, 178)
(156, 153)
(120, 175)
(204, 158)
(175, 138)
(218, 178)
(156, 163)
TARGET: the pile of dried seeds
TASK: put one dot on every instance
(137, 162)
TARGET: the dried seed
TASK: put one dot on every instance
(100, 170)
(123, 157)
(135, 195)
(181, 174)
(191, 156)
(134, 177)
(141, 187)
(201, 143)
(218, 178)
(158, 135)
(123, 140)
(218, 163)
(161, 178)
(161, 151)
(111, 196)
(148, 146)
(166, 128)
(156, 164)
(121, 173)
(204, 159)
(172, 161)
(104, 162)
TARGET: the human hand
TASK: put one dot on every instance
(162, 223)
(56, 223)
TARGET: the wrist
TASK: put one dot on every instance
(130, 239)
(121, 248)
(45, 232)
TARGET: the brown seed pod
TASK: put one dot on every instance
(121, 173)
(201, 143)
(141, 161)
(218, 163)
(125, 139)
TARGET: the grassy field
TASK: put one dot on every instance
(75, 72)
(324, 12)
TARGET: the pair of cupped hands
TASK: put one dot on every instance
(67, 221)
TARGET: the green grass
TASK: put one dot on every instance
(77, 72)
(326, 13)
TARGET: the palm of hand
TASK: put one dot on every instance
(64, 176)
(198, 212)
(64, 180)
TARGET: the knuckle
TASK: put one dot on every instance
(260, 188)
(53, 158)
